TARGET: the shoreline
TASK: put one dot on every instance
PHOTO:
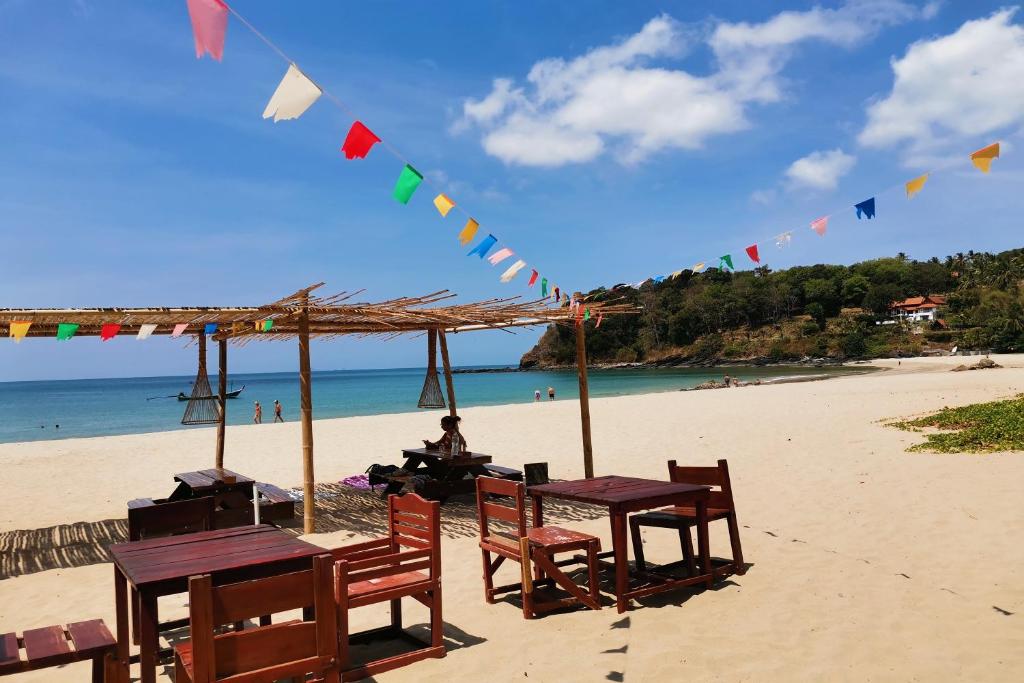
(866, 367)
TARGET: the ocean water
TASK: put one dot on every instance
(33, 411)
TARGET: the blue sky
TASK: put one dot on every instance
(602, 141)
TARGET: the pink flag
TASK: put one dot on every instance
(179, 329)
(209, 24)
(533, 279)
(752, 253)
(499, 256)
(600, 317)
(820, 225)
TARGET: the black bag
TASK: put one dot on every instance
(378, 474)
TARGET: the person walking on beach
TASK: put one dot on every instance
(536, 395)
(277, 411)
(257, 417)
(551, 393)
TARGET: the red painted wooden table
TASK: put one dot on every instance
(622, 495)
(161, 566)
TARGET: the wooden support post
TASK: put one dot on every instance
(581, 368)
(306, 417)
(447, 371)
(222, 391)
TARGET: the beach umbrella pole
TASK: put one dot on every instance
(222, 389)
(449, 385)
(306, 418)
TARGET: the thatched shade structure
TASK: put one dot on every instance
(303, 316)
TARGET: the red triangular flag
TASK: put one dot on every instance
(752, 253)
(209, 24)
(533, 279)
(600, 317)
(359, 141)
(109, 330)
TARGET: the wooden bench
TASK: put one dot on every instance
(499, 472)
(57, 645)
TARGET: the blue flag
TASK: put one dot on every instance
(867, 207)
(484, 246)
(210, 328)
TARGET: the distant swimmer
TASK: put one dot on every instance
(536, 394)
(277, 411)
(551, 393)
(258, 414)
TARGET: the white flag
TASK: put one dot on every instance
(294, 95)
(145, 331)
(513, 270)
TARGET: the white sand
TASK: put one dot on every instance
(868, 562)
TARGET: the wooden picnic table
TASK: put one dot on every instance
(622, 495)
(447, 476)
(162, 566)
(217, 482)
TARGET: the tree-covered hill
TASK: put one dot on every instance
(821, 311)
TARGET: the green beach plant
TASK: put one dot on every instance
(979, 428)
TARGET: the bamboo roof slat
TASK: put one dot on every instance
(329, 316)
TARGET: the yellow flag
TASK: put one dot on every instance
(984, 156)
(443, 204)
(698, 267)
(916, 185)
(19, 328)
(468, 232)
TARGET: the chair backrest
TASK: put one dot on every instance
(414, 522)
(171, 518)
(708, 476)
(287, 650)
(490, 489)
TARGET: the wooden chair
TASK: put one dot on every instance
(531, 546)
(148, 519)
(405, 563)
(151, 519)
(263, 654)
(720, 506)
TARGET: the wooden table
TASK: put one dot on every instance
(162, 566)
(622, 495)
(447, 475)
(217, 482)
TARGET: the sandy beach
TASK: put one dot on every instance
(868, 562)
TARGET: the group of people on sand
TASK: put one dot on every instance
(551, 394)
(735, 382)
(257, 417)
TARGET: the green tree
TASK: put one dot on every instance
(855, 288)
(817, 313)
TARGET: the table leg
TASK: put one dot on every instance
(621, 560)
(702, 541)
(121, 610)
(149, 644)
(537, 505)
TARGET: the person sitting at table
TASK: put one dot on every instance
(450, 425)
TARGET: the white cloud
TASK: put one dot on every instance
(952, 90)
(763, 197)
(616, 98)
(820, 170)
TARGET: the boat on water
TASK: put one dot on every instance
(182, 396)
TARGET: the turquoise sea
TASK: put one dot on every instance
(32, 411)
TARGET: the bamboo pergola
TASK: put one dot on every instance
(304, 316)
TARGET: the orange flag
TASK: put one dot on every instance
(982, 159)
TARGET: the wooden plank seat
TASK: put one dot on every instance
(500, 472)
(681, 517)
(531, 547)
(58, 645)
(404, 564)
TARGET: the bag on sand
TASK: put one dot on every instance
(378, 474)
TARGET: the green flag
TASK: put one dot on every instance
(267, 324)
(66, 331)
(725, 262)
(407, 184)
(544, 287)
(586, 314)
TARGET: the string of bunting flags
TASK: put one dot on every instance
(297, 92)
(65, 331)
(864, 210)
